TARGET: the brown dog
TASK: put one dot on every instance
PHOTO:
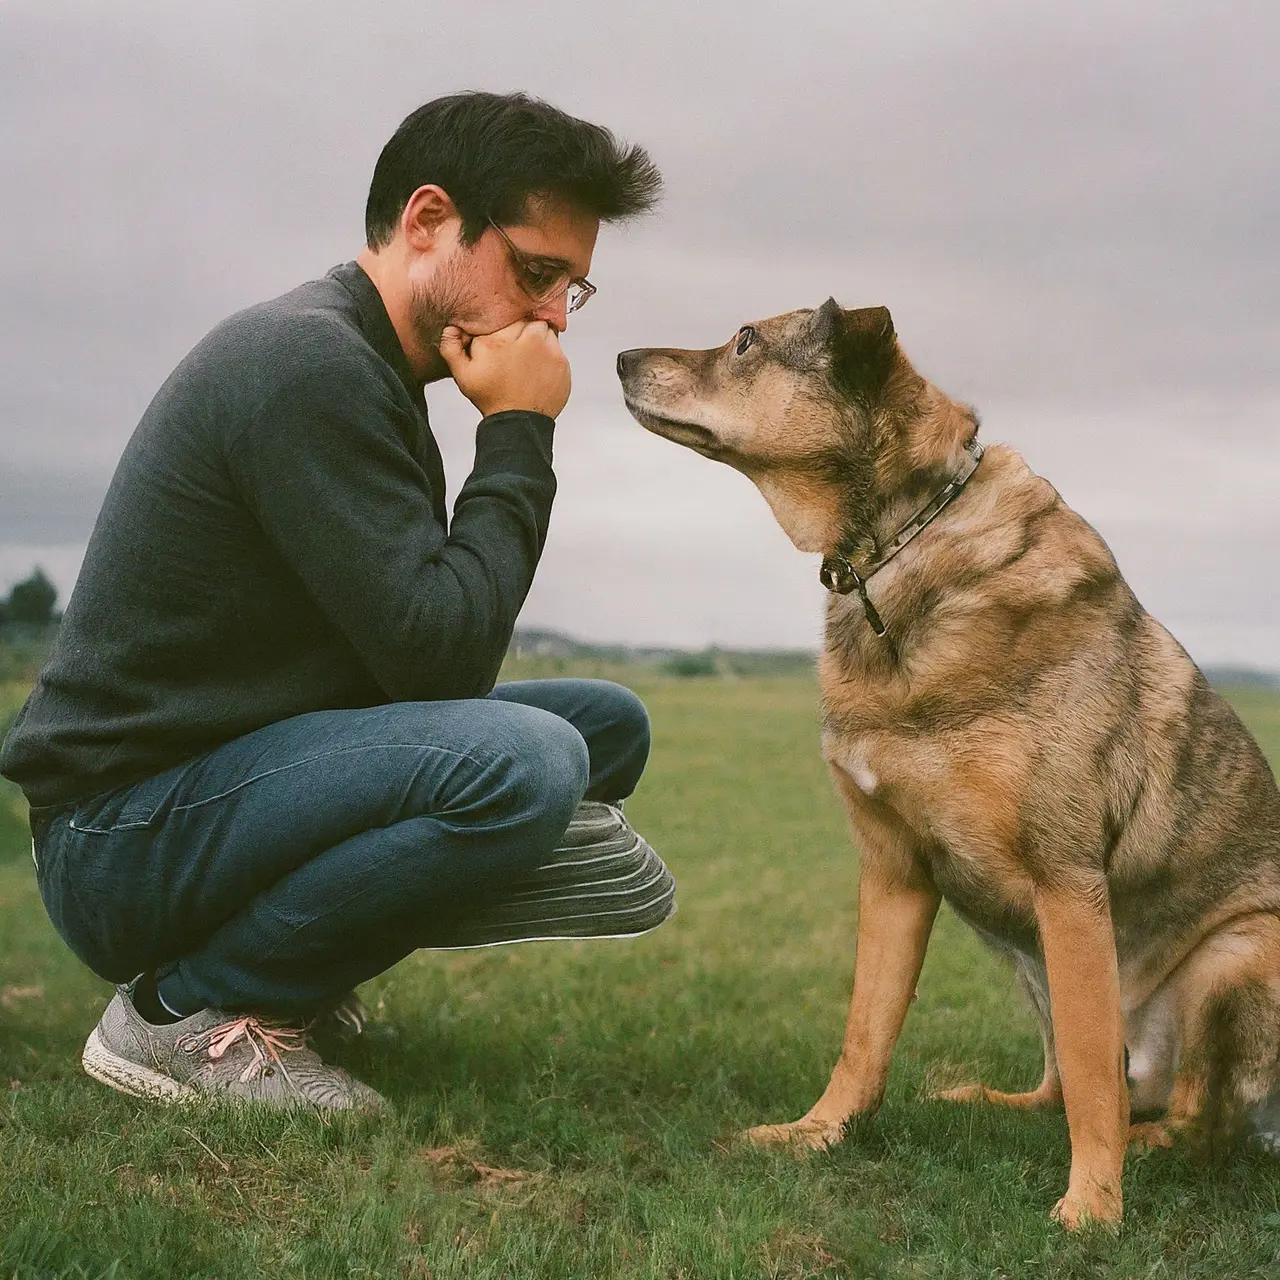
(1010, 730)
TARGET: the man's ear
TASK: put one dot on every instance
(426, 211)
(864, 350)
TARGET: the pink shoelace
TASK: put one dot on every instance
(267, 1040)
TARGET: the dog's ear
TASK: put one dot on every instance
(812, 345)
(864, 349)
(826, 319)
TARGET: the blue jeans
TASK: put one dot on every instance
(280, 870)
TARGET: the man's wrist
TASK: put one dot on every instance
(493, 411)
(515, 440)
(513, 414)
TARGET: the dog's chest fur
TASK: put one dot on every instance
(949, 801)
(935, 733)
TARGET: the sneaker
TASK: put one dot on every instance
(240, 1056)
(603, 881)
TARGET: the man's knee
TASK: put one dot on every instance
(628, 713)
(620, 740)
(544, 766)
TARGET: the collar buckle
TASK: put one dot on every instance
(838, 575)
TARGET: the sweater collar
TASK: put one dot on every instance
(376, 324)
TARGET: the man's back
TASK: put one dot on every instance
(272, 544)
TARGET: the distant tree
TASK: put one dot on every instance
(32, 600)
(692, 664)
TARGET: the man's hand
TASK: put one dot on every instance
(519, 367)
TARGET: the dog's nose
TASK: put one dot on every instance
(626, 361)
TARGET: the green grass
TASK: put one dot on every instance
(606, 1080)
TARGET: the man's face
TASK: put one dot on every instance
(490, 284)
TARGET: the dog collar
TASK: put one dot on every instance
(838, 574)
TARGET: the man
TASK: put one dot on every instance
(267, 759)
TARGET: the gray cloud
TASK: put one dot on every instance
(1070, 211)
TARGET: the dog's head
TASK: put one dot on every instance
(819, 408)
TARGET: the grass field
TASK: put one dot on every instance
(567, 1109)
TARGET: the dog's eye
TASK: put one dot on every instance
(746, 336)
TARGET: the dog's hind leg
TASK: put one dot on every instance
(1048, 1093)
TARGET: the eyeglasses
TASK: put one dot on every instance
(544, 281)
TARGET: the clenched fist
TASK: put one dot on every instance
(519, 367)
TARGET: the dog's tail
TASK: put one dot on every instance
(1240, 1060)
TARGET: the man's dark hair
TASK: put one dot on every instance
(492, 152)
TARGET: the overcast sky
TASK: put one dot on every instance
(1073, 212)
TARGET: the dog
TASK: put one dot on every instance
(1009, 730)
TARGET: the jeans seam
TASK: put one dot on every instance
(106, 831)
(271, 773)
(327, 755)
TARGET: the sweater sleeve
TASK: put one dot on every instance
(326, 469)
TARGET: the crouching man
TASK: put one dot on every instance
(267, 758)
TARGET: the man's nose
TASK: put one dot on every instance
(555, 313)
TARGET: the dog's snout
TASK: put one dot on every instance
(627, 361)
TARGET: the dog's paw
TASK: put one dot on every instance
(1097, 1210)
(799, 1136)
(1149, 1135)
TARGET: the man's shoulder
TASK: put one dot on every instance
(306, 352)
(313, 329)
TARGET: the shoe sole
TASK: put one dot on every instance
(141, 1082)
(129, 1077)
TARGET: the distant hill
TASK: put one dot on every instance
(1222, 676)
(538, 643)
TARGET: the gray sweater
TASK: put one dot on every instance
(275, 541)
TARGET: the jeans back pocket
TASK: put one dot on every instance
(126, 808)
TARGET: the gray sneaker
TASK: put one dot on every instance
(240, 1056)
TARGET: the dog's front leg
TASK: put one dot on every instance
(894, 921)
(1084, 995)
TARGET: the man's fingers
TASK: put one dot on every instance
(519, 366)
(512, 330)
(512, 333)
(539, 333)
(451, 346)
